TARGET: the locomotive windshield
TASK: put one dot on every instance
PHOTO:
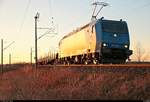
(114, 27)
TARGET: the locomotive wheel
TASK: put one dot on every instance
(86, 62)
(68, 62)
(95, 61)
(64, 62)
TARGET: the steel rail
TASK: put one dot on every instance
(102, 65)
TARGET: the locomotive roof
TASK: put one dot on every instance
(79, 29)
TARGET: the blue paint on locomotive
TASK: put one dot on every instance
(115, 42)
(114, 38)
(98, 32)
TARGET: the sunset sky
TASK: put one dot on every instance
(17, 23)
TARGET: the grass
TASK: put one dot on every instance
(75, 83)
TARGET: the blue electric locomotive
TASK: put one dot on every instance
(113, 39)
(100, 41)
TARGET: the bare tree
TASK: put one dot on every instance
(140, 52)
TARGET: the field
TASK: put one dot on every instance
(77, 82)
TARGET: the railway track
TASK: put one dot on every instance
(100, 66)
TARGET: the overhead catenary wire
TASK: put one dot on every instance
(51, 13)
(24, 16)
(9, 45)
(50, 8)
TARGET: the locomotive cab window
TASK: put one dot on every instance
(114, 27)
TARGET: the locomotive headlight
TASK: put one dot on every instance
(104, 44)
(115, 35)
(126, 46)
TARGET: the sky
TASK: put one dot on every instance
(17, 23)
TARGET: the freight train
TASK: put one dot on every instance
(100, 41)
